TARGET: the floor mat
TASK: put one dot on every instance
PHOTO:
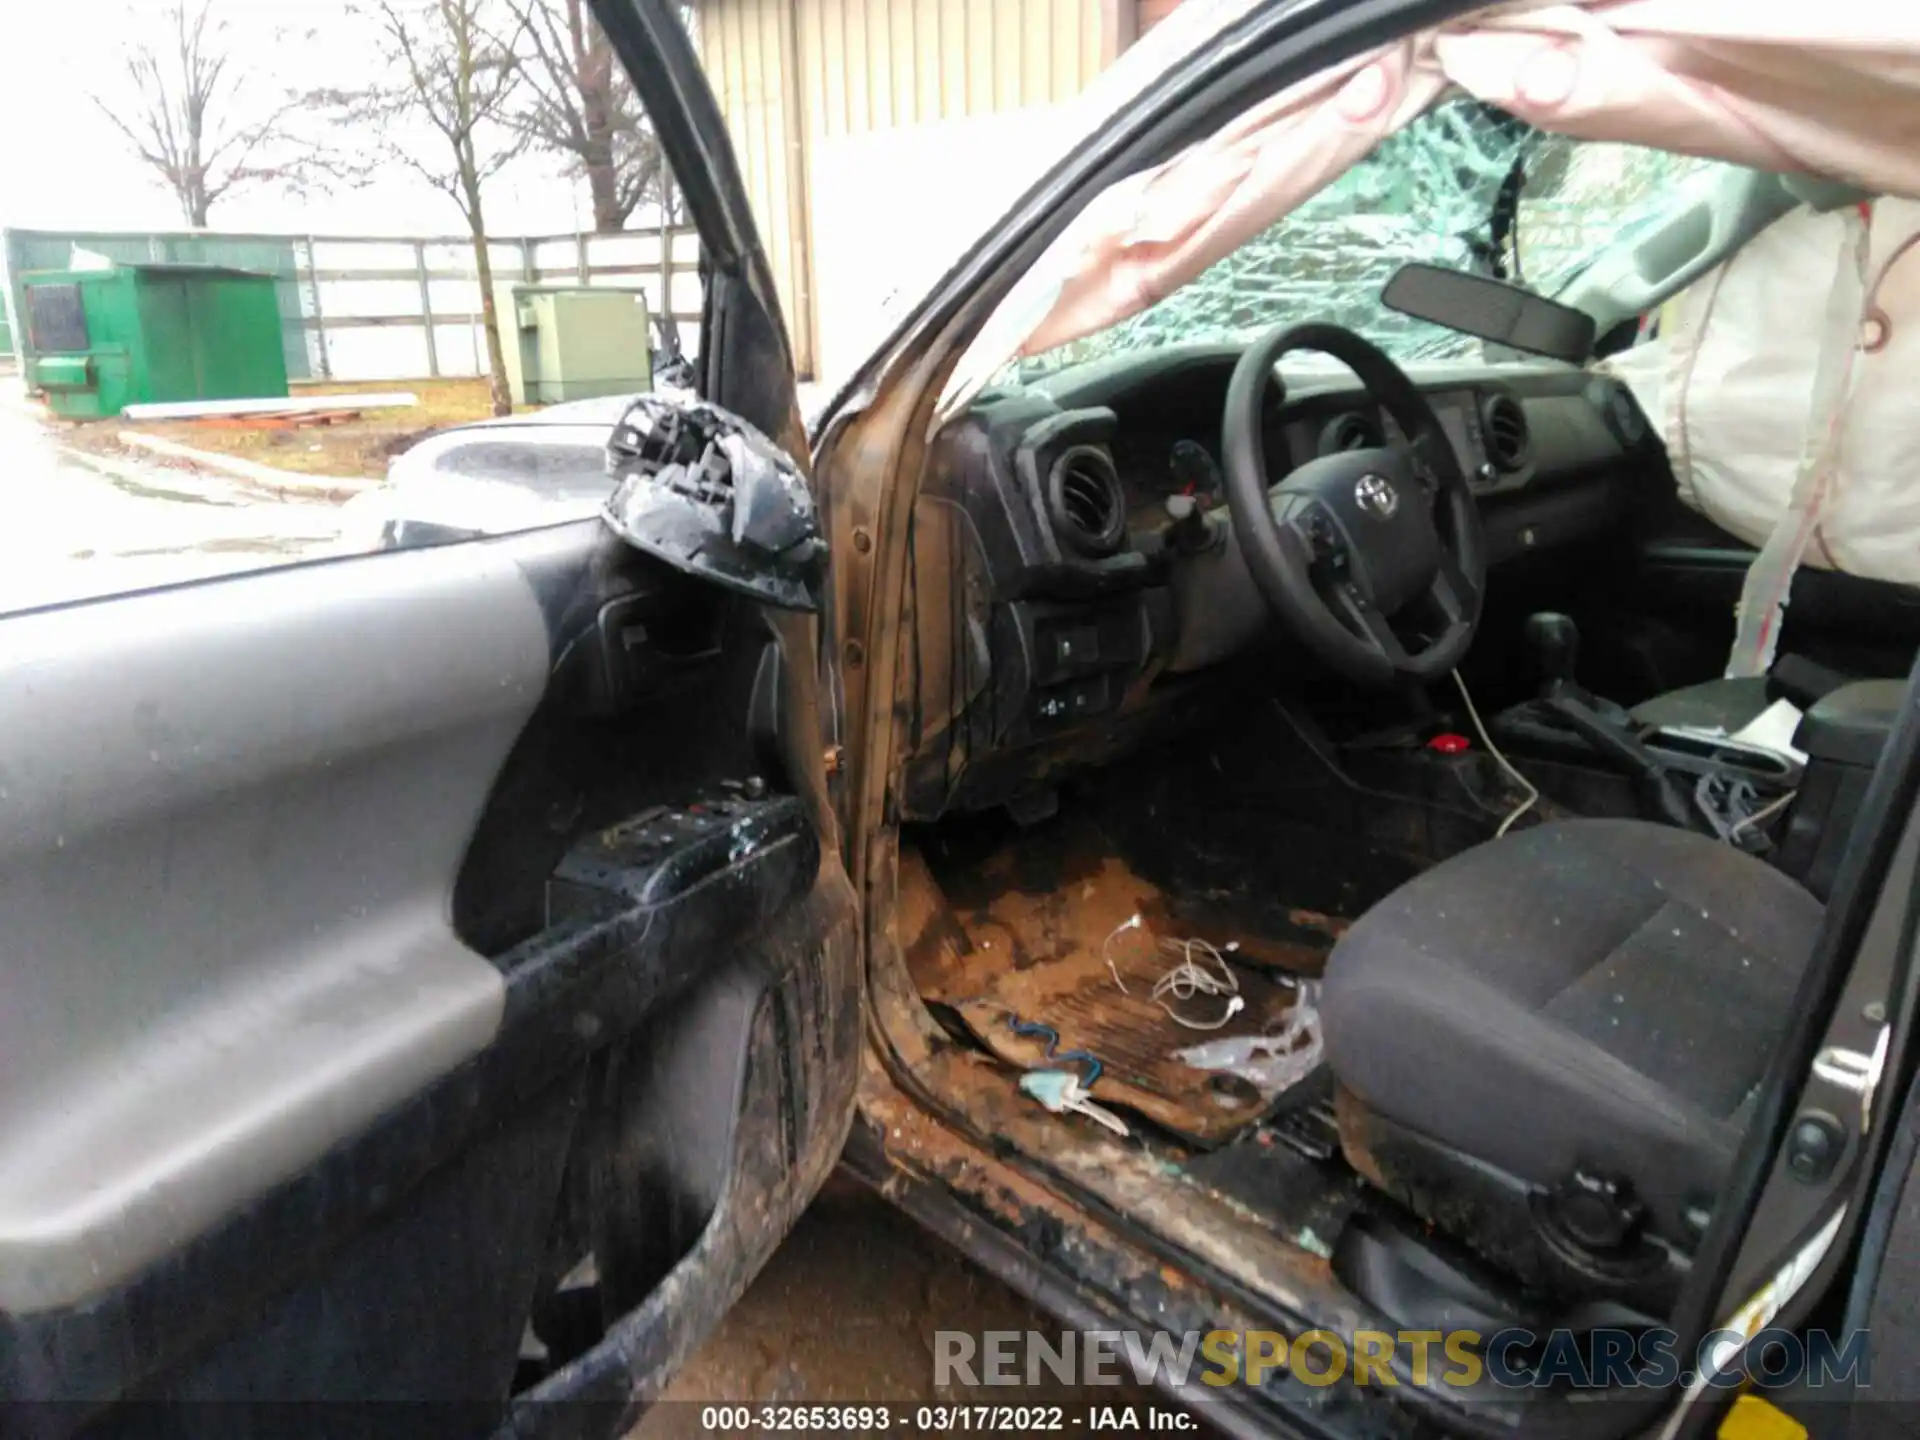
(1040, 955)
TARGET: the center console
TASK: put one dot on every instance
(1714, 783)
(1697, 780)
(1842, 734)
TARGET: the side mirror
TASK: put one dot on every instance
(701, 489)
(1492, 309)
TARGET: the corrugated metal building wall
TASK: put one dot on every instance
(1152, 12)
(793, 76)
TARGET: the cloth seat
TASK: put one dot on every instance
(1597, 996)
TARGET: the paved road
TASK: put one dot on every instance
(79, 526)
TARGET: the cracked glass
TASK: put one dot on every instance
(1428, 193)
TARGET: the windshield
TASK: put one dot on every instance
(1431, 193)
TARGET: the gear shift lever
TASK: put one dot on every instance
(1555, 642)
(1608, 730)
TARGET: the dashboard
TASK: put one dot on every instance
(1074, 559)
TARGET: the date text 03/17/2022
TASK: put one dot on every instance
(916, 1419)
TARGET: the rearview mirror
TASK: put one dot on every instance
(1492, 309)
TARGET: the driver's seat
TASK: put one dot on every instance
(1549, 1044)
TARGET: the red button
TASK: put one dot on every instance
(1450, 744)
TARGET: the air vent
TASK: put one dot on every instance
(1085, 502)
(1615, 402)
(1509, 441)
(1351, 431)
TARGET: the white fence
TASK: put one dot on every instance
(376, 309)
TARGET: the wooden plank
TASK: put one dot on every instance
(270, 405)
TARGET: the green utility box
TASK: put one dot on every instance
(100, 340)
(574, 342)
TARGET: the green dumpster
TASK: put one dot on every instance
(100, 340)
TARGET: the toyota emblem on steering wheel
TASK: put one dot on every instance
(1375, 495)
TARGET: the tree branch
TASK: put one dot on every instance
(189, 113)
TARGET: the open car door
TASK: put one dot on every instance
(426, 976)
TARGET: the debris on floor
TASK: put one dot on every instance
(1043, 960)
(1271, 1062)
(1196, 969)
(1061, 1092)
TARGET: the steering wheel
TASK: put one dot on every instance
(1348, 544)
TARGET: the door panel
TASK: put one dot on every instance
(397, 940)
(232, 817)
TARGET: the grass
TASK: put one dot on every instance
(358, 447)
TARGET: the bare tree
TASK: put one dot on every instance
(577, 101)
(199, 117)
(441, 108)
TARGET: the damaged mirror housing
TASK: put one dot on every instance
(703, 490)
(1492, 309)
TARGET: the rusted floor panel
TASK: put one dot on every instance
(1032, 944)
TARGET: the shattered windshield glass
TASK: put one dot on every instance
(1429, 193)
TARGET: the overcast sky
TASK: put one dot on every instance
(64, 166)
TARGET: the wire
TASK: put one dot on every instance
(1106, 950)
(1188, 979)
(1332, 767)
(1765, 812)
(1034, 1030)
(1532, 795)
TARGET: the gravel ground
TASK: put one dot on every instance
(846, 1312)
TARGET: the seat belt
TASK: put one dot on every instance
(1763, 596)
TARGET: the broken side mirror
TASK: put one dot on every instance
(710, 495)
(1492, 309)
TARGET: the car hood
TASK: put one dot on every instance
(514, 473)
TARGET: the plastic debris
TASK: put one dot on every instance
(1060, 1092)
(709, 494)
(1308, 1239)
(1034, 1030)
(1273, 1062)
